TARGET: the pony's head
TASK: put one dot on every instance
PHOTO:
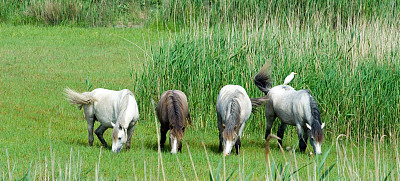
(175, 137)
(229, 137)
(119, 137)
(316, 136)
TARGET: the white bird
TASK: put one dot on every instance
(289, 78)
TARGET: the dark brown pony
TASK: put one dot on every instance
(172, 112)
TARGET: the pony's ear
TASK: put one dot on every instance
(308, 126)
(112, 124)
(223, 126)
(323, 125)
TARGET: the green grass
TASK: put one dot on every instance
(37, 64)
(347, 55)
(42, 131)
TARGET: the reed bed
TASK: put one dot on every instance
(353, 72)
(181, 13)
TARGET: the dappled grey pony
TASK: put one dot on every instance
(172, 112)
(297, 108)
(233, 110)
(113, 109)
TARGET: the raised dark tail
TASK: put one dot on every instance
(263, 79)
(175, 113)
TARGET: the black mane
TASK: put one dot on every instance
(175, 114)
(316, 123)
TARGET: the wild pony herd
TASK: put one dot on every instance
(118, 110)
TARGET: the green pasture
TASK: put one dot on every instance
(345, 52)
(42, 135)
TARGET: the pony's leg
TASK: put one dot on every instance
(270, 121)
(163, 130)
(302, 142)
(305, 139)
(270, 116)
(219, 131)
(281, 132)
(99, 132)
(130, 133)
(238, 144)
(90, 124)
(220, 141)
(90, 118)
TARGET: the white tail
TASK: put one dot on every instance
(78, 98)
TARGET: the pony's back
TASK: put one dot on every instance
(289, 104)
(230, 99)
(173, 107)
(172, 112)
(112, 105)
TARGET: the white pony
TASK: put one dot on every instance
(233, 110)
(113, 109)
(296, 108)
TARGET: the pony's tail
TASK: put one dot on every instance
(79, 99)
(263, 79)
(256, 102)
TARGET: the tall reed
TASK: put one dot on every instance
(353, 72)
(181, 13)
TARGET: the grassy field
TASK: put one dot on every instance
(347, 57)
(44, 136)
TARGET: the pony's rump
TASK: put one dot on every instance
(77, 98)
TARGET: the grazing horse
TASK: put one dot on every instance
(297, 108)
(172, 112)
(233, 110)
(113, 109)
